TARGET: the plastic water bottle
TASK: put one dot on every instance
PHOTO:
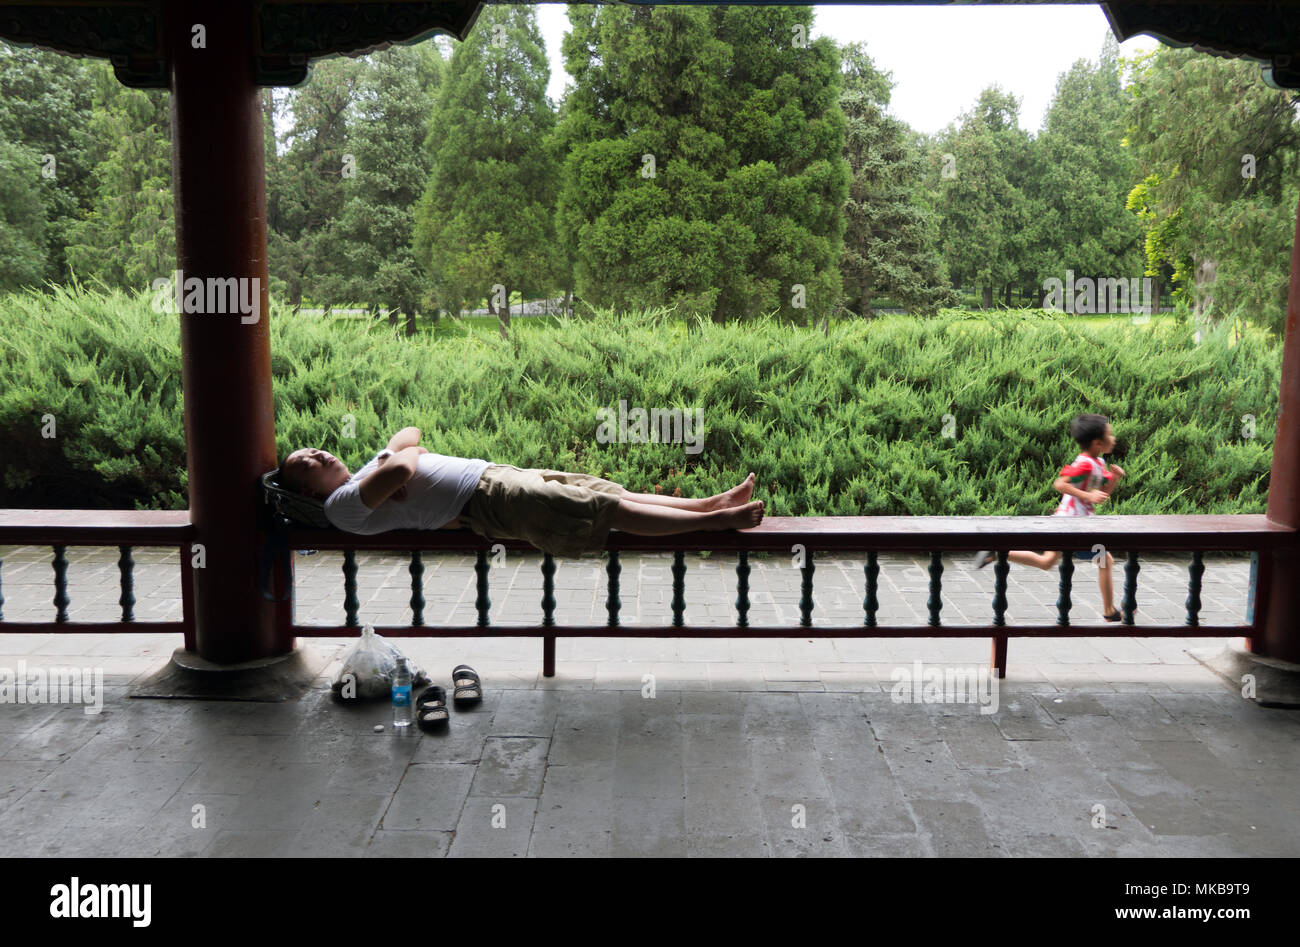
(402, 695)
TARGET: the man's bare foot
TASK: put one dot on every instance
(736, 496)
(741, 517)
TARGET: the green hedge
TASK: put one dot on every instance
(849, 423)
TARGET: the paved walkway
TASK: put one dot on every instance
(1098, 746)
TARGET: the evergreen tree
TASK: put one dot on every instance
(366, 253)
(305, 186)
(1082, 177)
(985, 210)
(705, 162)
(129, 239)
(45, 106)
(485, 218)
(1217, 158)
(889, 240)
(22, 218)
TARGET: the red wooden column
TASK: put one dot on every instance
(1279, 572)
(220, 186)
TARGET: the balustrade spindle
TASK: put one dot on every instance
(61, 583)
(742, 590)
(1063, 602)
(871, 603)
(1131, 569)
(125, 566)
(806, 591)
(481, 601)
(679, 588)
(935, 601)
(612, 603)
(1194, 572)
(1000, 570)
(548, 590)
(351, 604)
(417, 587)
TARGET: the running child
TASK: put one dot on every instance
(1084, 485)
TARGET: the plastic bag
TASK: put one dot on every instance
(368, 668)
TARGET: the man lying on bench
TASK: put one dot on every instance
(566, 514)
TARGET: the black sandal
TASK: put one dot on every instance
(1113, 616)
(431, 709)
(468, 693)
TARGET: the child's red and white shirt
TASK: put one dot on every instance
(1086, 473)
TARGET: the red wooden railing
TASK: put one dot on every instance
(935, 535)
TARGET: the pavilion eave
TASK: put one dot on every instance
(289, 35)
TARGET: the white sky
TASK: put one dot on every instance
(939, 74)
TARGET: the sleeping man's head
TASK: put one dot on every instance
(314, 473)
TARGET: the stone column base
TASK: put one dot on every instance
(1275, 683)
(190, 677)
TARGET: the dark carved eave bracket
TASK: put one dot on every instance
(1269, 32)
(292, 34)
(129, 33)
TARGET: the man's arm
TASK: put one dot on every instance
(406, 437)
(392, 474)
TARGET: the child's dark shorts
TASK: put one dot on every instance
(565, 514)
(1089, 554)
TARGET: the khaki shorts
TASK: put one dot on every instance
(565, 514)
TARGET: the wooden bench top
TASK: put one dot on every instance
(903, 533)
(1240, 531)
(95, 527)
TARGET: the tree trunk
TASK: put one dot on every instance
(504, 315)
(568, 300)
(864, 305)
(410, 322)
(1007, 295)
(988, 296)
